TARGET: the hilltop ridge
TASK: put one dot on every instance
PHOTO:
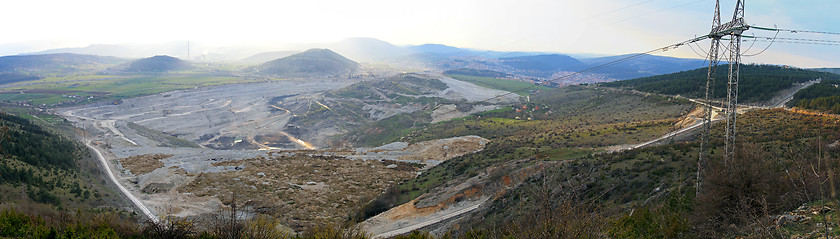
(312, 62)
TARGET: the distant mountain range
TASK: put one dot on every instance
(829, 70)
(648, 65)
(313, 62)
(56, 63)
(31, 67)
(130, 51)
(543, 65)
(474, 72)
(530, 65)
(267, 56)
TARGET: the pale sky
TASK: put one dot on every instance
(608, 27)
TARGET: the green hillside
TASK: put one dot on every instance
(64, 63)
(156, 64)
(649, 192)
(49, 167)
(476, 72)
(823, 96)
(561, 124)
(313, 62)
(545, 62)
(34, 67)
(348, 105)
(758, 83)
(8, 78)
(515, 86)
(829, 70)
(577, 189)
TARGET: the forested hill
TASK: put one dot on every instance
(758, 82)
(313, 62)
(823, 96)
(40, 166)
(22, 140)
(476, 72)
(157, 64)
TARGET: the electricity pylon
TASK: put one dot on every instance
(733, 30)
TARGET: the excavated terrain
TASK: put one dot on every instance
(190, 153)
(299, 188)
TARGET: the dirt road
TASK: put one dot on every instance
(134, 200)
(427, 222)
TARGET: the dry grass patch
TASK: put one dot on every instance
(143, 164)
(303, 190)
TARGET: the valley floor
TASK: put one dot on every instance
(205, 169)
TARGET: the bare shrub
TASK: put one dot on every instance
(336, 231)
(225, 223)
(169, 227)
(265, 227)
(740, 197)
(560, 212)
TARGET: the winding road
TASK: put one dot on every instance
(134, 200)
(430, 221)
(102, 160)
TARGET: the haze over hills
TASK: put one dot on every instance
(313, 62)
(430, 136)
(32, 67)
(459, 120)
(55, 63)
(438, 57)
(648, 65)
(267, 56)
(315, 136)
(475, 72)
(366, 49)
(548, 62)
(155, 64)
(124, 50)
(441, 49)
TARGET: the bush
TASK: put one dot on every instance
(739, 197)
(670, 220)
(170, 227)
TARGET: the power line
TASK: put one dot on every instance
(765, 49)
(794, 31)
(802, 42)
(751, 45)
(623, 59)
(796, 40)
(807, 40)
(704, 55)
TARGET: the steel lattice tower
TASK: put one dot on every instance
(737, 29)
(733, 30)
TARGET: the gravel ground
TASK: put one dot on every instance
(237, 111)
(241, 112)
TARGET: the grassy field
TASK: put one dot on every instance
(500, 84)
(658, 182)
(561, 124)
(68, 90)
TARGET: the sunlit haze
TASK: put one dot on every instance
(598, 27)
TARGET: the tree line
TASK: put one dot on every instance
(823, 96)
(757, 82)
